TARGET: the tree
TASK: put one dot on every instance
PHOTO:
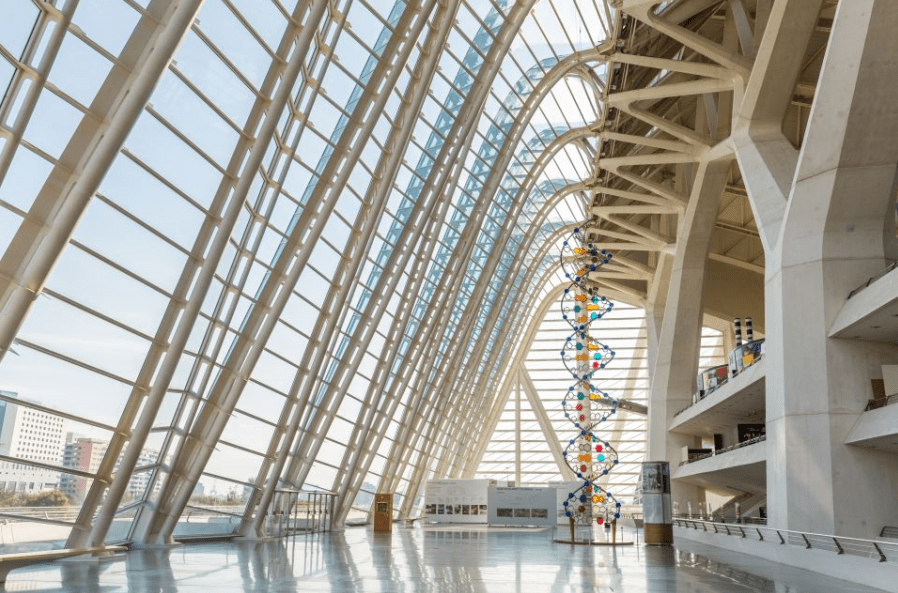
(45, 498)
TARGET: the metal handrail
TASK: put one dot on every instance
(299, 511)
(699, 457)
(873, 279)
(881, 403)
(881, 551)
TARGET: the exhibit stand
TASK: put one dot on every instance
(383, 512)
(656, 507)
(456, 501)
(522, 506)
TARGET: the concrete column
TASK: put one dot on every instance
(766, 157)
(838, 231)
(676, 357)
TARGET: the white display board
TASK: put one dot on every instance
(522, 506)
(456, 501)
(655, 487)
(563, 489)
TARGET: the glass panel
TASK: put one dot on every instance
(19, 17)
(52, 124)
(24, 179)
(78, 70)
(108, 22)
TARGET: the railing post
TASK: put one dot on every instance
(806, 541)
(760, 536)
(838, 546)
(782, 541)
(882, 557)
(742, 531)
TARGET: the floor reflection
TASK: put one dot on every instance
(463, 559)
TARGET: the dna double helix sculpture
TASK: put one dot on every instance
(585, 405)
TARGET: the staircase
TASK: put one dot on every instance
(747, 502)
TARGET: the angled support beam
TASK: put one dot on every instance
(655, 158)
(676, 130)
(678, 203)
(276, 289)
(676, 89)
(634, 265)
(631, 295)
(636, 238)
(702, 69)
(42, 236)
(766, 158)
(651, 142)
(736, 262)
(545, 424)
(644, 11)
(36, 74)
(646, 233)
(605, 211)
(671, 195)
(459, 425)
(490, 188)
(743, 27)
(183, 309)
(373, 204)
(517, 429)
(463, 135)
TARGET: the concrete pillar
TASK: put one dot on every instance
(676, 357)
(766, 157)
(838, 231)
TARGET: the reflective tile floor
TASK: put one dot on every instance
(426, 558)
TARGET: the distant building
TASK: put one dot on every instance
(141, 479)
(86, 454)
(29, 434)
(83, 454)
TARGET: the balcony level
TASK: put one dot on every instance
(876, 429)
(739, 401)
(871, 312)
(742, 467)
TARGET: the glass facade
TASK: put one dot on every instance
(259, 244)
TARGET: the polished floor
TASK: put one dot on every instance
(426, 558)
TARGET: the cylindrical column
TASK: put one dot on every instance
(656, 507)
(749, 335)
(737, 329)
